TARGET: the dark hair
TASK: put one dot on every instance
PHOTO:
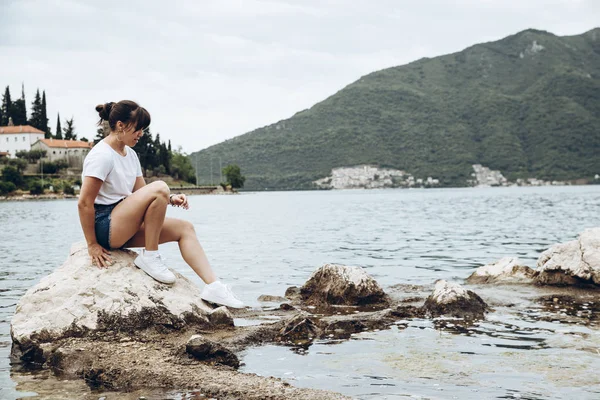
(126, 111)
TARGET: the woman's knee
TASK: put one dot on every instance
(161, 189)
(187, 226)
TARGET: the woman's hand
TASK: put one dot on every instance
(180, 200)
(100, 256)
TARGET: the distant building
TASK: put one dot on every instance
(18, 138)
(72, 151)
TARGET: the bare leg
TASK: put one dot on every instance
(183, 232)
(148, 205)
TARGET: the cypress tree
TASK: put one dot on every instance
(19, 114)
(69, 130)
(36, 112)
(169, 146)
(6, 107)
(45, 127)
(99, 135)
(58, 128)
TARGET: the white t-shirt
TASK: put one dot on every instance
(117, 172)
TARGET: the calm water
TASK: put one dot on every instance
(262, 243)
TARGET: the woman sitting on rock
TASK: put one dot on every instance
(118, 210)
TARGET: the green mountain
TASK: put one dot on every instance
(527, 105)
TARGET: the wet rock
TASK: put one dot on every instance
(292, 293)
(506, 270)
(572, 263)
(78, 298)
(451, 299)
(343, 329)
(69, 363)
(286, 307)
(404, 311)
(221, 317)
(299, 328)
(206, 350)
(342, 285)
(575, 308)
(265, 298)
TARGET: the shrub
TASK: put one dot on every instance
(51, 167)
(31, 156)
(36, 188)
(18, 163)
(13, 175)
(234, 176)
(7, 187)
(68, 189)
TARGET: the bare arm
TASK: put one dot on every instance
(89, 191)
(140, 182)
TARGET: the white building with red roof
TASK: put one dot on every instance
(72, 151)
(18, 138)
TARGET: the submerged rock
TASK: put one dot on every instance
(266, 298)
(572, 263)
(342, 285)
(506, 270)
(299, 328)
(451, 299)
(78, 298)
(206, 350)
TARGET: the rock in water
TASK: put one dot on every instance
(206, 350)
(78, 298)
(453, 300)
(266, 298)
(506, 270)
(299, 328)
(342, 285)
(571, 263)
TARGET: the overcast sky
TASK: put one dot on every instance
(211, 70)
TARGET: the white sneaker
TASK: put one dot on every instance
(154, 265)
(221, 294)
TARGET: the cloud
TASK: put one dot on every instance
(211, 70)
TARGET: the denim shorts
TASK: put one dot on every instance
(102, 223)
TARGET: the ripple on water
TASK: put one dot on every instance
(266, 242)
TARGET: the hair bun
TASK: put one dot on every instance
(104, 110)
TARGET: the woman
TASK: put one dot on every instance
(118, 210)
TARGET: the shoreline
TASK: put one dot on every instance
(56, 196)
(202, 191)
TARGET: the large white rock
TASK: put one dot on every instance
(577, 261)
(506, 270)
(78, 298)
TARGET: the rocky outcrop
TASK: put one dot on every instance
(342, 285)
(572, 263)
(78, 298)
(507, 270)
(452, 300)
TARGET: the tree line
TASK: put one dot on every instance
(158, 158)
(16, 111)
